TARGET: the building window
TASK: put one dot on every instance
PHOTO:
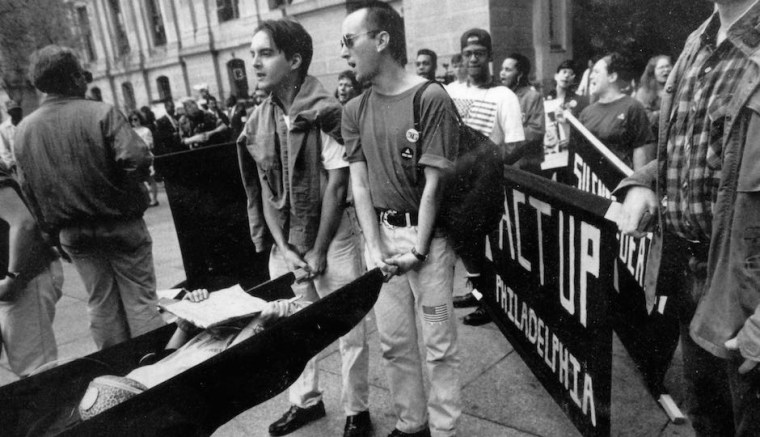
(117, 20)
(227, 10)
(85, 30)
(156, 23)
(238, 78)
(557, 23)
(129, 96)
(164, 89)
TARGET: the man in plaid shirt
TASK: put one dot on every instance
(708, 170)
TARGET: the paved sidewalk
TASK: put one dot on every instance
(501, 397)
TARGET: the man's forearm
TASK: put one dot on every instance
(25, 246)
(429, 207)
(333, 204)
(365, 211)
(274, 228)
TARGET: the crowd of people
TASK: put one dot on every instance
(341, 181)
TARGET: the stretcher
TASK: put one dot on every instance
(199, 400)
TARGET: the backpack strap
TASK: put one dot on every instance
(416, 104)
(416, 110)
(363, 103)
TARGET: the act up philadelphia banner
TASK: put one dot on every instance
(553, 259)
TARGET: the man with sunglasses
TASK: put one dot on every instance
(494, 111)
(296, 178)
(397, 196)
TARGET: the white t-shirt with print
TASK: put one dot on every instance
(495, 111)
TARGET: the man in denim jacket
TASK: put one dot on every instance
(707, 171)
(296, 178)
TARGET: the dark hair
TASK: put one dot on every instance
(138, 114)
(567, 64)
(96, 94)
(231, 100)
(433, 56)
(290, 37)
(522, 65)
(51, 68)
(456, 59)
(382, 17)
(150, 117)
(350, 75)
(617, 63)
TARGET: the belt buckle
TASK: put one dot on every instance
(385, 215)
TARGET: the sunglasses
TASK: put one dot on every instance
(474, 53)
(348, 40)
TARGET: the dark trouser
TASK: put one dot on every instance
(115, 261)
(719, 401)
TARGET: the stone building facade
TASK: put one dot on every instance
(142, 51)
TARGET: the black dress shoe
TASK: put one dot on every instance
(464, 301)
(424, 433)
(477, 317)
(358, 425)
(295, 418)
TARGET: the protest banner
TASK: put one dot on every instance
(553, 258)
(650, 338)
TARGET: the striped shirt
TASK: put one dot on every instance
(696, 133)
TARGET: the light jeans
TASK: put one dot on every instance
(343, 266)
(26, 324)
(425, 296)
(115, 261)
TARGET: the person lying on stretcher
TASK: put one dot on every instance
(188, 347)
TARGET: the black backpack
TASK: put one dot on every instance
(473, 197)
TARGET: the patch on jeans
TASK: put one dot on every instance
(435, 314)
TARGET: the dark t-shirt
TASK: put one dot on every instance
(621, 125)
(384, 138)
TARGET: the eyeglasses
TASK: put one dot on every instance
(474, 53)
(348, 40)
(134, 119)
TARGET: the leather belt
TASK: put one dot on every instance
(397, 219)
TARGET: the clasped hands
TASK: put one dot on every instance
(313, 262)
(392, 264)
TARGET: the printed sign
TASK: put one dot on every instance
(556, 136)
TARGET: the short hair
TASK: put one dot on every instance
(290, 37)
(382, 17)
(350, 75)
(51, 68)
(620, 64)
(456, 59)
(522, 65)
(433, 56)
(567, 64)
